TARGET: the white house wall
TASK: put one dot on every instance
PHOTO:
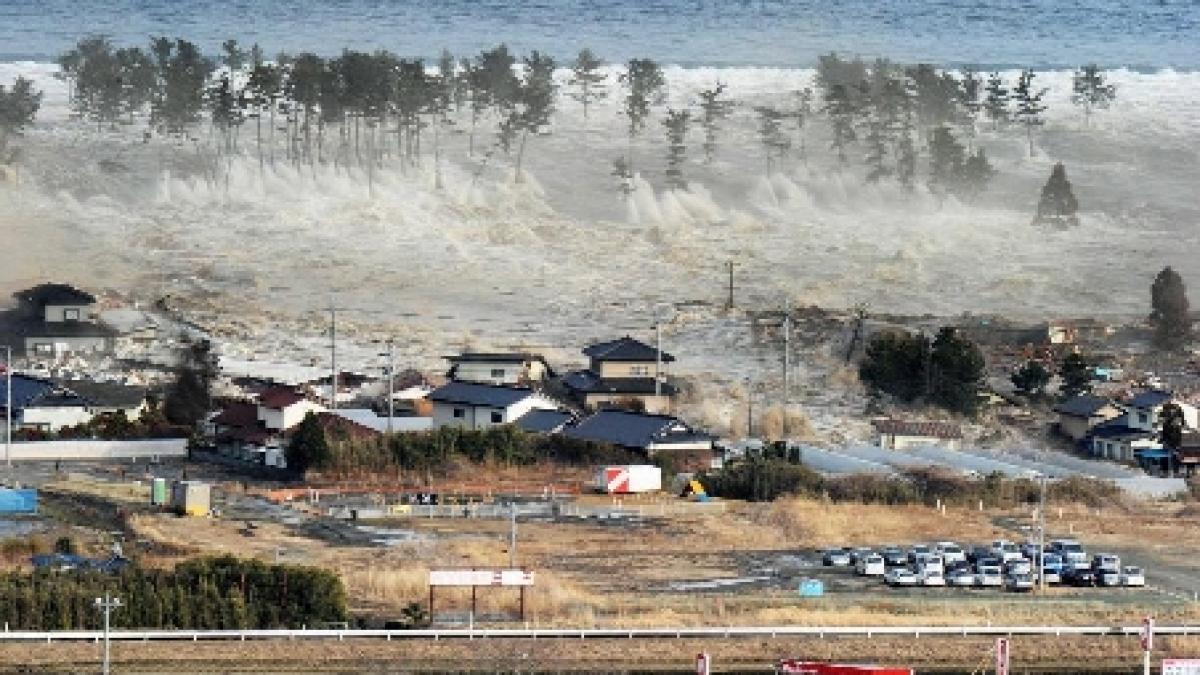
(58, 313)
(54, 418)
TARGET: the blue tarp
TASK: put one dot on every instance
(1153, 453)
(18, 501)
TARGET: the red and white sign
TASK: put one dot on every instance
(633, 479)
(1002, 656)
(1181, 667)
(480, 578)
(703, 664)
(1148, 634)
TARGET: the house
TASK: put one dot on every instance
(106, 398)
(365, 417)
(282, 408)
(544, 421)
(351, 387)
(1117, 440)
(508, 368)
(1079, 415)
(892, 434)
(621, 372)
(1186, 457)
(42, 405)
(479, 406)
(648, 433)
(238, 426)
(55, 319)
(1145, 410)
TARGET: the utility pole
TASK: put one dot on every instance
(512, 535)
(333, 380)
(729, 302)
(391, 376)
(8, 407)
(1041, 556)
(657, 357)
(749, 410)
(787, 351)
(107, 604)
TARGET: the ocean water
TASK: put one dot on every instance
(1048, 34)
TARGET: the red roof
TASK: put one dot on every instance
(925, 429)
(279, 398)
(238, 414)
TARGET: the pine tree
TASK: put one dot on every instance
(957, 368)
(1076, 374)
(309, 447)
(770, 134)
(1029, 104)
(1091, 90)
(1170, 315)
(644, 82)
(996, 100)
(533, 103)
(977, 172)
(18, 108)
(1031, 379)
(714, 109)
(842, 111)
(800, 115)
(1057, 204)
(588, 79)
(676, 123)
(946, 159)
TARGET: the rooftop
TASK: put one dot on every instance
(625, 349)
(237, 414)
(1150, 399)
(944, 430)
(585, 381)
(633, 430)
(486, 395)
(543, 421)
(495, 357)
(1082, 406)
(279, 398)
(106, 394)
(54, 294)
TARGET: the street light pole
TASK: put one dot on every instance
(107, 604)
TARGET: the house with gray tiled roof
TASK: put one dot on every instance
(479, 406)
(622, 372)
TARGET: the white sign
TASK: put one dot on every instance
(480, 578)
(1002, 657)
(1148, 634)
(1181, 667)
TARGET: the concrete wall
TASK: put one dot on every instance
(902, 442)
(58, 313)
(53, 418)
(656, 405)
(286, 418)
(625, 368)
(480, 417)
(99, 450)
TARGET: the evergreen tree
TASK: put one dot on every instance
(977, 172)
(624, 176)
(233, 56)
(895, 363)
(1076, 374)
(996, 98)
(1173, 425)
(970, 91)
(644, 83)
(19, 105)
(770, 133)
(1031, 379)
(1057, 204)
(842, 110)
(713, 110)
(800, 115)
(534, 101)
(1170, 314)
(588, 80)
(946, 161)
(309, 447)
(1091, 90)
(1029, 104)
(189, 398)
(957, 370)
(676, 123)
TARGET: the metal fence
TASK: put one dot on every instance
(528, 510)
(590, 633)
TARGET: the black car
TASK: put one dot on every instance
(894, 556)
(1081, 577)
(979, 553)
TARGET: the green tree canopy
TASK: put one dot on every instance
(1076, 374)
(1170, 313)
(1057, 204)
(309, 447)
(1031, 379)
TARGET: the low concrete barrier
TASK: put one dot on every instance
(154, 448)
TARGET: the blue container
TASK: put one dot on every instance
(18, 501)
(811, 588)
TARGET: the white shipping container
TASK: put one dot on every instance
(630, 479)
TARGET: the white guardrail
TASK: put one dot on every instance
(587, 633)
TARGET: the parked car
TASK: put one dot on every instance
(858, 554)
(836, 557)
(871, 566)
(894, 556)
(900, 576)
(1108, 578)
(1030, 550)
(1081, 576)
(1106, 562)
(932, 562)
(1133, 576)
(987, 562)
(1021, 583)
(1052, 568)
(1072, 553)
(951, 552)
(989, 576)
(916, 551)
(1005, 550)
(1018, 566)
(977, 553)
(932, 577)
(961, 577)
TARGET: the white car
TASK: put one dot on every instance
(900, 576)
(1133, 576)
(1073, 555)
(932, 577)
(1019, 566)
(1020, 583)
(1106, 562)
(1108, 578)
(1006, 550)
(871, 566)
(989, 576)
(951, 552)
(931, 562)
(961, 577)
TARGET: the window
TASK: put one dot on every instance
(497, 417)
(460, 413)
(498, 372)
(1143, 418)
(639, 371)
(70, 315)
(43, 348)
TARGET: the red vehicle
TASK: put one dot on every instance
(794, 667)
